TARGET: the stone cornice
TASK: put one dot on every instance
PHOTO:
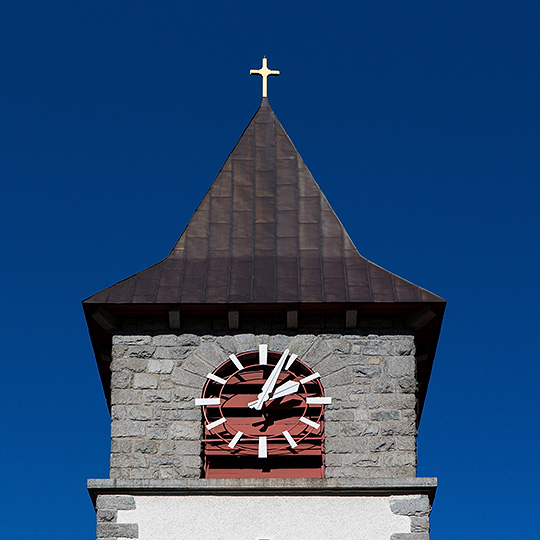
(257, 486)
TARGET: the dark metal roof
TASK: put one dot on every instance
(264, 233)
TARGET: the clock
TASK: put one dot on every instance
(263, 415)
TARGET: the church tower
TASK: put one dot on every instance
(265, 380)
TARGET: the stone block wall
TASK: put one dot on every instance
(108, 528)
(370, 427)
(418, 508)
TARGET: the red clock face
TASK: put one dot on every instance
(263, 406)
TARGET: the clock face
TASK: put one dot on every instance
(263, 404)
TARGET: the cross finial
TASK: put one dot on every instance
(264, 72)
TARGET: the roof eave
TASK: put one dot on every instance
(423, 318)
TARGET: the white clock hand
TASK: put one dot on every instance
(270, 383)
(289, 387)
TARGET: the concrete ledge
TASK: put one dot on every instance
(267, 486)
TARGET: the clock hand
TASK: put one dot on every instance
(289, 387)
(270, 383)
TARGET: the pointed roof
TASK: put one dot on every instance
(264, 233)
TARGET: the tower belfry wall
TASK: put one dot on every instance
(369, 373)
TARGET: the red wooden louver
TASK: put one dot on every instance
(291, 428)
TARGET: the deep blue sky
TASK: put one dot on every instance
(420, 121)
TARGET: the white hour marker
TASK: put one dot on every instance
(236, 438)
(290, 361)
(262, 447)
(215, 378)
(310, 378)
(236, 362)
(319, 400)
(309, 422)
(215, 424)
(290, 440)
(207, 401)
(263, 354)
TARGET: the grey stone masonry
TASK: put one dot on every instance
(370, 427)
(418, 508)
(107, 507)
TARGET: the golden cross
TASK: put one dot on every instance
(264, 72)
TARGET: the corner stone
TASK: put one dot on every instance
(410, 536)
(115, 502)
(117, 530)
(414, 506)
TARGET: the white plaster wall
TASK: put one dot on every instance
(204, 517)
